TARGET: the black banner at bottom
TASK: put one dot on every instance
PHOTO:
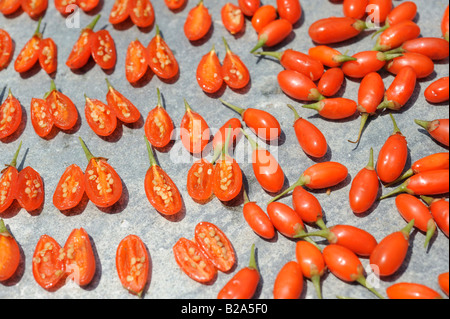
(199, 308)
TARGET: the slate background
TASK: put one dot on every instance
(127, 153)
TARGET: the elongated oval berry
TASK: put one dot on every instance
(438, 91)
(334, 108)
(412, 208)
(311, 261)
(378, 10)
(426, 183)
(407, 290)
(328, 56)
(220, 138)
(439, 209)
(291, 10)
(406, 10)
(298, 86)
(262, 123)
(307, 206)
(422, 65)
(445, 24)
(345, 265)
(289, 282)
(244, 283)
(348, 271)
(324, 175)
(249, 7)
(335, 29)
(370, 94)
(400, 90)
(310, 138)
(355, 8)
(319, 176)
(428, 163)
(366, 62)
(355, 239)
(364, 189)
(273, 33)
(331, 82)
(434, 48)
(258, 220)
(396, 35)
(263, 16)
(438, 129)
(298, 61)
(285, 220)
(266, 168)
(443, 280)
(388, 256)
(9, 253)
(392, 156)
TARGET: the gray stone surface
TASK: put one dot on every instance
(127, 153)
